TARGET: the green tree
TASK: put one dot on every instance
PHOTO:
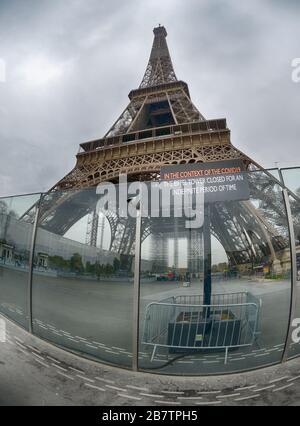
(99, 270)
(90, 268)
(109, 269)
(76, 264)
(58, 262)
(116, 264)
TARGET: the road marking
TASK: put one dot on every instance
(246, 388)
(278, 380)
(42, 363)
(152, 395)
(209, 403)
(94, 387)
(65, 375)
(189, 397)
(105, 380)
(264, 389)
(73, 340)
(116, 388)
(293, 379)
(237, 359)
(283, 387)
(228, 396)
(59, 367)
(52, 359)
(137, 388)
(100, 344)
(85, 378)
(77, 371)
(38, 356)
(248, 397)
(91, 346)
(21, 345)
(42, 326)
(261, 355)
(129, 397)
(34, 349)
(22, 350)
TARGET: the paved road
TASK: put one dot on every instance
(95, 318)
(33, 372)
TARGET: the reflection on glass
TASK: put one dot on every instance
(83, 279)
(275, 173)
(294, 349)
(291, 179)
(17, 216)
(216, 299)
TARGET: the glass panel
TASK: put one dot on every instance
(275, 173)
(83, 279)
(17, 216)
(294, 349)
(291, 179)
(216, 299)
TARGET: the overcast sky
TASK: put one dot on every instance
(70, 65)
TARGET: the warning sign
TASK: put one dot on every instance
(219, 181)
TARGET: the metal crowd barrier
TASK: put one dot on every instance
(184, 324)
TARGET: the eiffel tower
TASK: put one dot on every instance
(160, 126)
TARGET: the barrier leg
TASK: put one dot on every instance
(226, 356)
(153, 353)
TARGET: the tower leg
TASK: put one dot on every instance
(159, 252)
(92, 229)
(195, 252)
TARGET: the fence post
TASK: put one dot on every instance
(294, 274)
(31, 264)
(136, 289)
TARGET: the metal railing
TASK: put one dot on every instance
(183, 324)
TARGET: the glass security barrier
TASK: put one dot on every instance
(17, 216)
(294, 348)
(291, 179)
(214, 274)
(83, 276)
(216, 298)
(275, 173)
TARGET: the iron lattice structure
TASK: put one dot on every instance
(160, 126)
